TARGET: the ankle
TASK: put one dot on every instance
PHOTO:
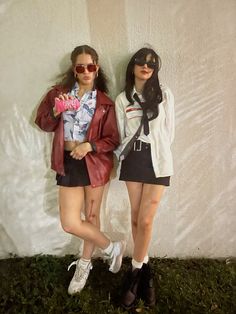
(83, 262)
(136, 264)
(108, 250)
(146, 259)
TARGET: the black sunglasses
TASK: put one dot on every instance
(80, 68)
(142, 62)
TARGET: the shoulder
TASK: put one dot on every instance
(166, 91)
(121, 100)
(121, 96)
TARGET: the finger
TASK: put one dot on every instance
(72, 154)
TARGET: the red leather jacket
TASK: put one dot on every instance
(102, 132)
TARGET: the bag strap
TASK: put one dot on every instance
(130, 144)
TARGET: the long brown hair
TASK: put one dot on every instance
(68, 78)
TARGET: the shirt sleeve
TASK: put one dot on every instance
(120, 118)
(170, 114)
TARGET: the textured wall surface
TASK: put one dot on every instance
(196, 41)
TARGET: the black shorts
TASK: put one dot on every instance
(137, 166)
(76, 172)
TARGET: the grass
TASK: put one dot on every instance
(38, 285)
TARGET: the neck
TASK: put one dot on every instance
(139, 85)
(84, 89)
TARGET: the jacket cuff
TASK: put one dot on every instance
(93, 145)
(52, 114)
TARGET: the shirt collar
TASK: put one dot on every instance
(139, 94)
(75, 89)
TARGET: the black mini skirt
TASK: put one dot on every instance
(76, 172)
(137, 166)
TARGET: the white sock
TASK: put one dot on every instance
(136, 264)
(109, 249)
(146, 259)
(84, 262)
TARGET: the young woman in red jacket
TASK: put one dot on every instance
(82, 155)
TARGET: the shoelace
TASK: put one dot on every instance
(80, 273)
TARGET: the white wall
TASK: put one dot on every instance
(196, 41)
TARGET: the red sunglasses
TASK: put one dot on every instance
(80, 68)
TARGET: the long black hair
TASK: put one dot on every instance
(69, 80)
(152, 93)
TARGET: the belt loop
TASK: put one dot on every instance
(137, 146)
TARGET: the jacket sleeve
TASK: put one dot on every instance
(109, 136)
(44, 117)
(170, 114)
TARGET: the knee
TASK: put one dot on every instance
(134, 223)
(145, 224)
(154, 202)
(68, 228)
(71, 227)
(134, 218)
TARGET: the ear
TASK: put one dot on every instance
(75, 73)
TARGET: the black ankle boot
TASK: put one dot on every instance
(130, 288)
(147, 289)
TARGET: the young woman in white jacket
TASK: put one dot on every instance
(145, 117)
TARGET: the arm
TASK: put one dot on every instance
(121, 123)
(46, 117)
(170, 114)
(120, 118)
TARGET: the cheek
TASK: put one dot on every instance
(151, 73)
(136, 70)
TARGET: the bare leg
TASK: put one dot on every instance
(144, 200)
(151, 197)
(93, 199)
(135, 194)
(71, 201)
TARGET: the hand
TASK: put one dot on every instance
(65, 102)
(81, 150)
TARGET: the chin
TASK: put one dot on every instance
(87, 82)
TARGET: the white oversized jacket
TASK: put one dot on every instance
(161, 133)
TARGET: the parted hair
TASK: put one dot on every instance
(68, 78)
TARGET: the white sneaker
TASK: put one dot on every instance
(80, 277)
(116, 256)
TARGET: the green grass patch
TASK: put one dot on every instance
(38, 285)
